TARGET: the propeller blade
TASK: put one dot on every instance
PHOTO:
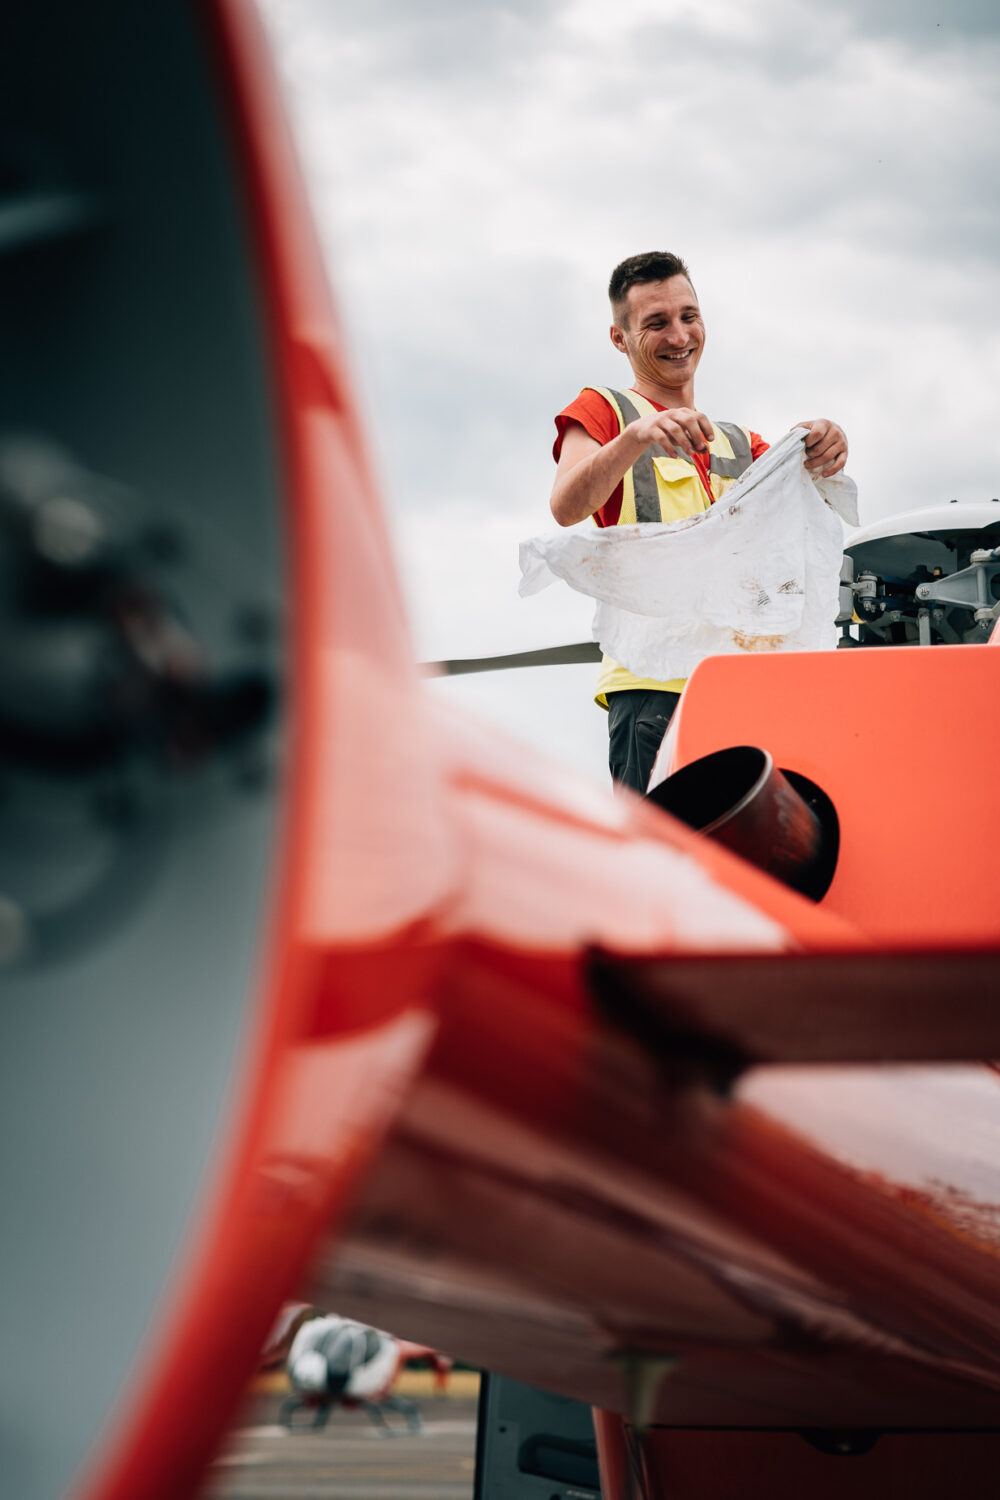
(546, 656)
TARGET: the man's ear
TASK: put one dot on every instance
(618, 338)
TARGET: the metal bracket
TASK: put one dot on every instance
(970, 587)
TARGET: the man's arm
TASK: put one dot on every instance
(588, 474)
(826, 447)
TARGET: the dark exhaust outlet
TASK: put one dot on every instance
(776, 820)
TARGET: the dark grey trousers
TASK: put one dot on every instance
(637, 721)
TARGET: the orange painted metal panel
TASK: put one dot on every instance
(903, 741)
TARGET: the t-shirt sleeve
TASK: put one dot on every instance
(594, 415)
(757, 446)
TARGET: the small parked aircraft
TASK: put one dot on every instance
(332, 1361)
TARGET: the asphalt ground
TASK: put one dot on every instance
(350, 1459)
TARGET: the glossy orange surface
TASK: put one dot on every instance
(902, 741)
(435, 1113)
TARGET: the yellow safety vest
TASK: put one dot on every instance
(660, 488)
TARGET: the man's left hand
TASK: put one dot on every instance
(826, 447)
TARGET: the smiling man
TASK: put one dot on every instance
(649, 454)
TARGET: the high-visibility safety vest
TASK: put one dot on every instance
(660, 488)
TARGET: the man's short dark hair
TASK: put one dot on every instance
(651, 265)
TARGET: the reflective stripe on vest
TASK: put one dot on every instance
(647, 484)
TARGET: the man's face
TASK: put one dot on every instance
(663, 334)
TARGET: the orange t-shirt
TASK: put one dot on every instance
(600, 421)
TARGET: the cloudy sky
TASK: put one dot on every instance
(828, 168)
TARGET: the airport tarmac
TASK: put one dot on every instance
(349, 1459)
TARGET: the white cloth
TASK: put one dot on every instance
(759, 571)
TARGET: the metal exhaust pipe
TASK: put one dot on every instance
(776, 820)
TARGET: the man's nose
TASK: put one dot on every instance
(677, 335)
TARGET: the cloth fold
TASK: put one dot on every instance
(759, 571)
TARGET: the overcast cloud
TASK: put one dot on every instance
(828, 168)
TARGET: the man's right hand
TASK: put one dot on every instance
(681, 430)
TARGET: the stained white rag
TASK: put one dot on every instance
(759, 571)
